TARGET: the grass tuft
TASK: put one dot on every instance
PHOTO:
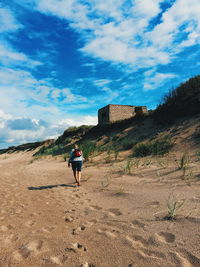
(158, 147)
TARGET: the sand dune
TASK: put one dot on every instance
(112, 220)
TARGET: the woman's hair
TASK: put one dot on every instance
(76, 145)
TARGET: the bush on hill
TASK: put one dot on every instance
(180, 102)
(158, 147)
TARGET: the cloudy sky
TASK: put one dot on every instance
(62, 60)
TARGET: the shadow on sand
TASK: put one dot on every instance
(49, 186)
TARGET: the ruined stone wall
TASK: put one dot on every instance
(112, 113)
(120, 112)
(104, 115)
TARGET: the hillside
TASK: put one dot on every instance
(166, 126)
(138, 196)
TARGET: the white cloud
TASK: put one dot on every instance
(20, 130)
(8, 21)
(117, 30)
(155, 79)
(10, 57)
(101, 82)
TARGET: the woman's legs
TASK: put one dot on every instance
(75, 175)
(78, 177)
(76, 167)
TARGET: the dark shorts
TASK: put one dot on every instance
(77, 165)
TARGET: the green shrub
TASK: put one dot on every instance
(180, 102)
(88, 149)
(143, 150)
(128, 143)
(157, 147)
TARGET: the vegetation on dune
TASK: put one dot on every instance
(64, 142)
(25, 147)
(180, 102)
(157, 147)
(127, 143)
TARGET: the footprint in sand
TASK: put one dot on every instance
(68, 218)
(69, 211)
(194, 261)
(5, 228)
(86, 264)
(136, 241)
(180, 260)
(107, 233)
(48, 229)
(78, 230)
(59, 260)
(10, 239)
(94, 207)
(153, 203)
(166, 237)
(79, 247)
(147, 253)
(137, 224)
(114, 212)
(33, 247)
(29, 223)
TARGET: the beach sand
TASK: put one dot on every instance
(114, 219)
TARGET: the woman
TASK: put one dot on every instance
(76, 160)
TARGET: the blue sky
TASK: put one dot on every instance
(62, 60)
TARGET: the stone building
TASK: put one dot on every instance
(112, 113)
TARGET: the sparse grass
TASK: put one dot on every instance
(184, 165)
(105, 182)
(136, 163)
(147, 163)
(87, 177)
(162, 164)
(157, 147)
(65, 157)
(116, 153)
(88, 148)
(184, 161)
(108, 157)
(34, 159)
(128, 166)
(173, 205)
(179, 102)
(128, 143)
(120, 191)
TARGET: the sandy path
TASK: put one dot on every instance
(109, 221)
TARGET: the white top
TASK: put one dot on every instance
(72, 158)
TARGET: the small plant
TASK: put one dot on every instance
(173, 205)
(128, 166)
(198, 155)
(136, 163)
(34, 159)
(87, 177)
(184, 164)
(65, 157)
(116, 153)
(184, 161)
(147, 163)
(120, 191)
(162, 164)
(105, 182)
(88, 149)
(157, 147)
(143, 150)
(128, 143)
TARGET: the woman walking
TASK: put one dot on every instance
(76, 161)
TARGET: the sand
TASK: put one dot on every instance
(114, 219)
